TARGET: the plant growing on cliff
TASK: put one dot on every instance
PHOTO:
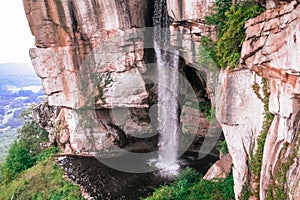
(255, 162)
(229, 21)
(105, 81)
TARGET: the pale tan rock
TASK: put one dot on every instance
(188, 9)
(240, 114)
(274, 54)
(220, 169)
(192, 121)
(81, 132)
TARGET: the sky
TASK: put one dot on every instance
(15, 35)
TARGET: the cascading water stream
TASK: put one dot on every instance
(167, 68)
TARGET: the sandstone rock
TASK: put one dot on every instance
(193, 121)
(45, 115)
(188, 9)
(80, 131)
(220, 169)
(274, 55)
(58, 23)
(240, 114)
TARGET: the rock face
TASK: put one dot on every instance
(89, 57)
(95, 61)
(240, 114)
(220, 169)
(188, 9)
(93, 58)
(270, 51)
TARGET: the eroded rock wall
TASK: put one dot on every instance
(270, 51)
(89, 56)
(181, 10)
(93, 59)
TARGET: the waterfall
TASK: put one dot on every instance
(167, 68)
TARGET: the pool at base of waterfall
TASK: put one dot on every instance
(102, 182)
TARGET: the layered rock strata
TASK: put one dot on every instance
(95, 60)
(270, 51)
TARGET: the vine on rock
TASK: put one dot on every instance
(255, 163)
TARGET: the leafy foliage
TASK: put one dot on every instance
(31, 134)
(190, 186)
(43, 181)
(205, 108)
(18, 160)
(24, 151)
(30, 172)
(222, 147)
(229, 21)
(218, 16)
(46, 154)
(232, 36)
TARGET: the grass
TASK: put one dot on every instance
(191, 186)
(42, 181)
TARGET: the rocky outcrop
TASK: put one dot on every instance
(45, 115)
(270, 51)
(181, 10)
(95, 60)
(240, 114)
(220, 169)
(89, 57)
(274, 55)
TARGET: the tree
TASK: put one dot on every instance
(18, 160)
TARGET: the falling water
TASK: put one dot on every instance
(167, 67)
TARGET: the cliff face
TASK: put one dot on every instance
(93, 59)
(87, 60)
(270, 51)
(274, 55)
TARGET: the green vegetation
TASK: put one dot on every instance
(105, 81)
(190, 186)
(43, 181)
(222, 147)
(6, 139)
(30, 172)
(205, 108)
(229, 21)
(25, 149)
(276, 190)
(255, 163)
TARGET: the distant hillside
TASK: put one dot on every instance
(16, 69)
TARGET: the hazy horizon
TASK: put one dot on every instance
(15, 36)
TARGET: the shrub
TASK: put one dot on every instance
(46, 154)
(232, 35)
(31, 134)
(190, 186)
(222, 147)
(25, 149)
(229, 21)
(18, 160)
